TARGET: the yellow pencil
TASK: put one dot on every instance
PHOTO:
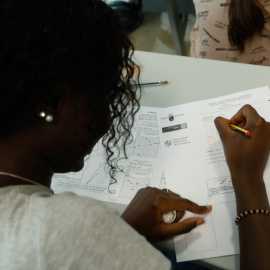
(248, 133)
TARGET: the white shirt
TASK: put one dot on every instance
(39, 230)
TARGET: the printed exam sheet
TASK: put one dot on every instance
(182, 141)
(195, 167)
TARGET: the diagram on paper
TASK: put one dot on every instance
(162, 184)
(93, 177)
(145, 146)
(132, 183)
(220, 185)
(210, 129)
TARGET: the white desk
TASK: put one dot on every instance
(190, 80)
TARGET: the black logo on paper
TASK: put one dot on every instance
(171, 118)
(168, 143)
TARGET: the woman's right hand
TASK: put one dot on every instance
(247, 158)
(245, 155)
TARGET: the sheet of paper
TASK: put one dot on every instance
(195, 167)
(142, 168)
(217, 237)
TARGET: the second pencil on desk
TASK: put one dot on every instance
(155, 83)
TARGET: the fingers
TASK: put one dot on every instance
(223, 127)
(195, 208)
(247, 117)
(146, 212)
(182, 227)
(153, 192)
(181, 204)
(170, 193)
(161, 202)
(168, 201)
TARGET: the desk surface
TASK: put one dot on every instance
(192, 79)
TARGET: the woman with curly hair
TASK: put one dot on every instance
(232, 30)
(62, 88)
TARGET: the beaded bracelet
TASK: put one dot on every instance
(250, 212)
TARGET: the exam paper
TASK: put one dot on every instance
(142, 168)
(182, 143)
(195, 168)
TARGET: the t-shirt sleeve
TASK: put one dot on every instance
(80, 233)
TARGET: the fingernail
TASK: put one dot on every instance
(209, 207)
(199, 222)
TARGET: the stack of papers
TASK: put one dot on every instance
(179, 144)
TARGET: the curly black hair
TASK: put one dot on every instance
(44, 42)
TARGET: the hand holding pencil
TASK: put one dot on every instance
(245, 155)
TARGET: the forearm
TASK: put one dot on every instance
(246, 159)
(253, 229)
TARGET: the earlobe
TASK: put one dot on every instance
(49, 107)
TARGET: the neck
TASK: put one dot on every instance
(24, 162)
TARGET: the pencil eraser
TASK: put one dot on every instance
(248, 133)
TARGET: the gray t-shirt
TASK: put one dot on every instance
(39, 230)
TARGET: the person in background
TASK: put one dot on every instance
(232, 30)
(62, 88)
